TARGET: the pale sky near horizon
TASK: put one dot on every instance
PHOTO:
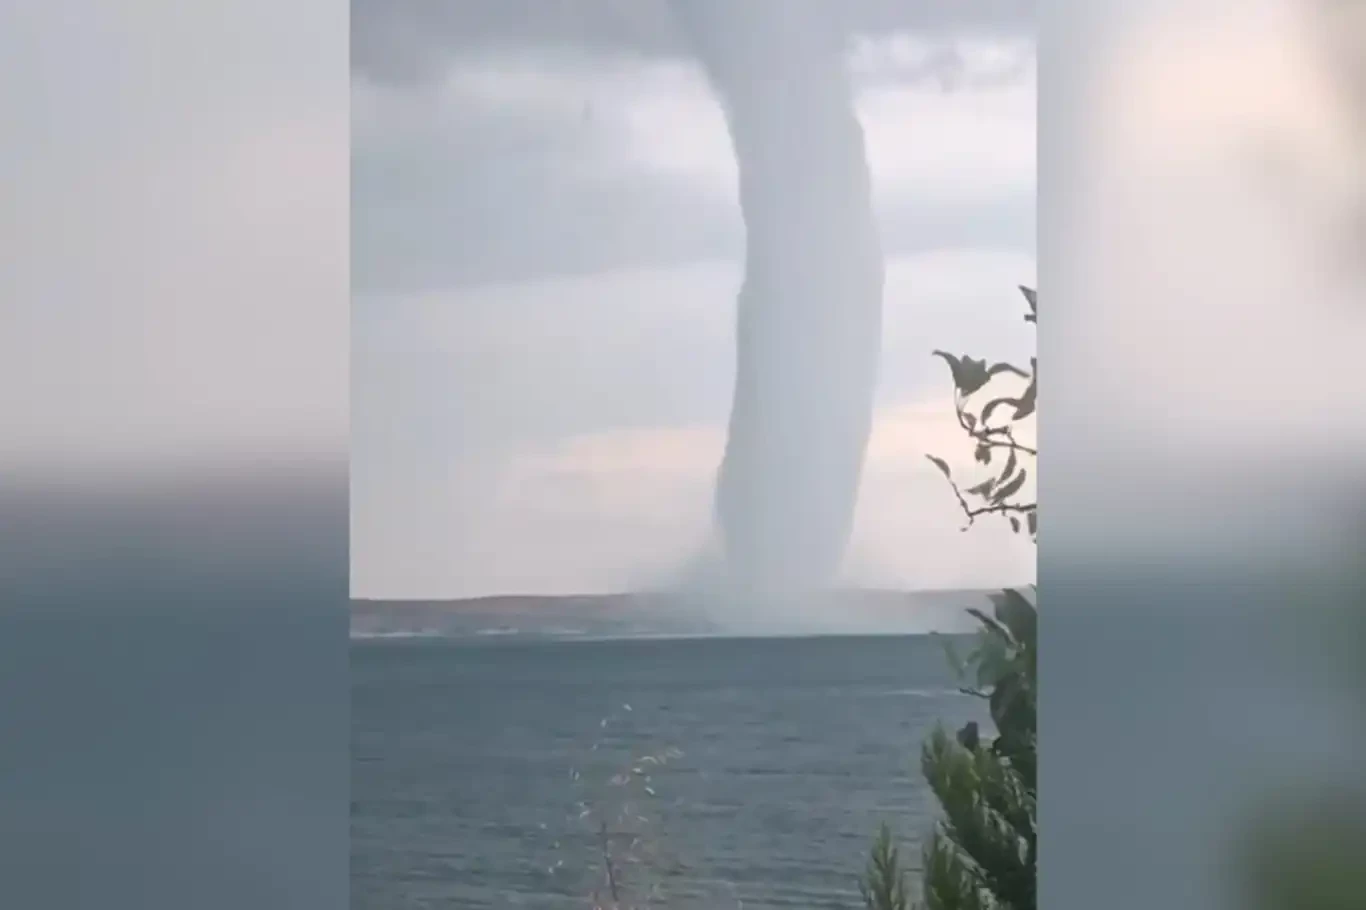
(546, 250)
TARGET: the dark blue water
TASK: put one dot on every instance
(718, 772)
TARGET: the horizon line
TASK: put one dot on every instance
(359, 599)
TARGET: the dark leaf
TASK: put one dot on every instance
(1031, 297)
(942, 465)
(1015, 524)
(1017, 614)
(955, 366)
(1010, 488)
(991, 624)
(970, 420)
(996, 403)
(968, 375)
(982, 489)
(1030, 317)
(983, 454)
(973, 375)
(1009, 468)
(997, 369)
(1027, 401)
(1032, 519)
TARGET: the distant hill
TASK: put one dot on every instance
(658, 614)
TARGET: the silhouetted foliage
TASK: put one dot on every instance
(983, 853)
(992, 419)
(884, 883)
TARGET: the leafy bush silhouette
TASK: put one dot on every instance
(983, 853)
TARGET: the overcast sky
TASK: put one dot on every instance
(546, 251)
(143, 152)
(588, 298)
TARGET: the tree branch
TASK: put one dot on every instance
(1002, 508)
(984, 435)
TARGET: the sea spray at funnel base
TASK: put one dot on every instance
(809, 311)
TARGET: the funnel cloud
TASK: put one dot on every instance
(809, 310)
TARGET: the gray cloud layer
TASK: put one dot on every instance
(408, 41)
(452, 185)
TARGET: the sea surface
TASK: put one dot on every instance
(719, 772)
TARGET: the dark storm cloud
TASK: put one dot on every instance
(459, 189)
(478, 195)
(404, 41)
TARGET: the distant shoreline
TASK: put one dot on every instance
(637, 616)
(639, 596)
(433, 638)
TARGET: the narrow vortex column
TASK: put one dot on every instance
(810, 309)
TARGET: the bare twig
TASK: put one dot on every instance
(622, 856)
(986, 435)
(971, 380)
(1002, 508)
(607, 865)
